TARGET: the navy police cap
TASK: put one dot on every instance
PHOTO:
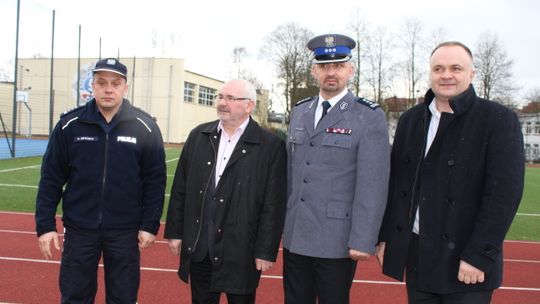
(331, 48)
(110, 65)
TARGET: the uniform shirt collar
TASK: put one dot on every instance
(334, 100)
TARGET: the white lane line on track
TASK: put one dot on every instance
(528, 214)
(20, 168)
(263, 276)
(18, 186)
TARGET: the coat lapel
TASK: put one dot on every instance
(245, 144)
(308, 117)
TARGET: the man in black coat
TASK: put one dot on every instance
(457, 171)
(228, 198)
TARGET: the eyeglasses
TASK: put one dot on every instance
(229, 98)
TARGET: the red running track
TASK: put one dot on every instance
(25, 277)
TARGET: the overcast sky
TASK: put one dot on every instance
(205, 32)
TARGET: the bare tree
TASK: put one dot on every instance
(286, 48)
(378, 62)
(493, 69)
(411, 43)
(239, 54)
(358, 26)
(438, 36)
(533, 95)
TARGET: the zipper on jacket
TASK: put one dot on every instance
(204, 197)
(103, 179)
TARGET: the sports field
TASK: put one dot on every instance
(19, 179)
(27, 278)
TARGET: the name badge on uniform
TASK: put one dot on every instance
(339, 131)
(85, 138)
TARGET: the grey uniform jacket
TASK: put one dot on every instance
(337, 178)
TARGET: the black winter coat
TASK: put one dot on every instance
(468, 188)
(114, 174)
(250, 201)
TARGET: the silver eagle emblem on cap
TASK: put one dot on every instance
(330, 41)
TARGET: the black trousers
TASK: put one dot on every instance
(200, 274)
(416, 296)
(80, 257)
(308, 279)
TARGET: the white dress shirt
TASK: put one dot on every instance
(226, 147)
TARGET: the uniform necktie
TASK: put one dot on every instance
(325, 107)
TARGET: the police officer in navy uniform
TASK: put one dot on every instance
(338, 170)
(106, 162)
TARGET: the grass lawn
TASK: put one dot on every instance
(19, 179)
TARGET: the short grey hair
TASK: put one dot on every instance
(249, 90)
(453, 43)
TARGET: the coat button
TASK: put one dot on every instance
(305, 180)
(451, 246)
(311, 144)
(197, 221)
(189, 249)
(445, 236)
(209, 163)
(308, 163)
(216, 259)
(201, 192)
(451, 162)
(302, 199)
(219, 230)
(221, 200)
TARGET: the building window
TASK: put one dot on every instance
(537, 127)
(206, 96)
(189, 91)
(528, 128)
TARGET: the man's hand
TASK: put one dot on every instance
(379, 253)
(45, 243)
(358, 255)
(175, 245)
(263, 265)
(469, 274)
(146, 239)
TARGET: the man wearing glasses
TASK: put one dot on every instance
(338, 179)
(227, 203)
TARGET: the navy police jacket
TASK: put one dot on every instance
(109, 176)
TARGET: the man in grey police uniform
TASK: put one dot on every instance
(338, 170)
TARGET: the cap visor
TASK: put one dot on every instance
(109, 70)
(331, 60)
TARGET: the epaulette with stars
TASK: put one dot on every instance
(303, 101)
(373, 105)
